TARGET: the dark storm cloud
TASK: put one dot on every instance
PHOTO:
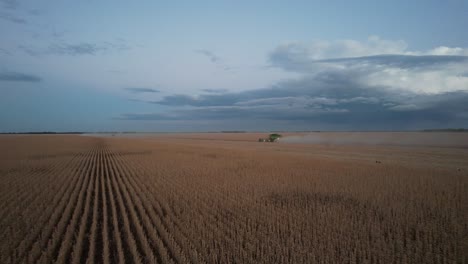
(403, 61)
(325, 85)
(297, 59)
(141, 90)
(328, 98)
(350, 93)
(18, 77)
(352, 113)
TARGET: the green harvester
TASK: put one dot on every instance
(271, 138)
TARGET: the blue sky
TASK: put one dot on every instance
(233, 65)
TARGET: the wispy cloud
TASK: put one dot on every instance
(76, 49)
(215, 91)
(117, 44)
(141, 90)
(29, 50)
(213, 57)
(18, 77)
(9, 12)
(5, 52)
(9, 4)
(35, 12)
(145, 116)
(12, 18)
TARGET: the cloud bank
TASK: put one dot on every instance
(345, 84)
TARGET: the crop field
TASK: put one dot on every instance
(229, 199)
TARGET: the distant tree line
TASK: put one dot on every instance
(447, 130)
(39, 133)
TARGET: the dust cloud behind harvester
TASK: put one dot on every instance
(436, 139)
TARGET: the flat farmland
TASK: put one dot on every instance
(226, 198)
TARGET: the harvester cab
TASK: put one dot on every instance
(271, 138)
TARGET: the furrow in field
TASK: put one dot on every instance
(95, 238)
(119, 254)
(32, 245)
(158, 230)
(67, 239)
(85, 221)
(104, 213)
(73, 206)
(135, 236)
(89, 245)
(129, 243)
(163, 250)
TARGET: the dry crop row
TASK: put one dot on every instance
(85, 210)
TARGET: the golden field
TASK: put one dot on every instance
(226, 198)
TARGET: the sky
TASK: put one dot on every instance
(186, 66)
